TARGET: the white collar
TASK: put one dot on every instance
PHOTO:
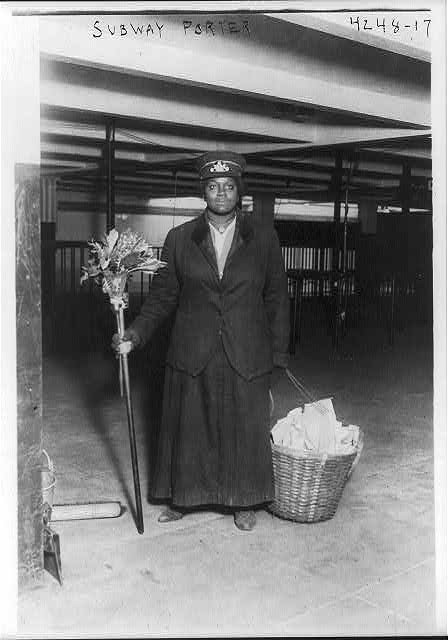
(221, 229)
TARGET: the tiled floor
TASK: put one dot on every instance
(368, 571)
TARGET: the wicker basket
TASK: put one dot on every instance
(308, 486)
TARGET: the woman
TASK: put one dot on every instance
(225, 281)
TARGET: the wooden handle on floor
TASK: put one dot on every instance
(85, 511)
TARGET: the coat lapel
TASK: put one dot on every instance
(202, 237)
(242, 236)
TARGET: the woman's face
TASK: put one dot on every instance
(221, 195)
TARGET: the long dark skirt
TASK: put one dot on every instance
(214, 445)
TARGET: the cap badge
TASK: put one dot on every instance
(219, 167)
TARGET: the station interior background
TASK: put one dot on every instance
(335, 123)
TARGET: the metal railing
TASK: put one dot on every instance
(314, 264)
(73, 309)
(69, 256)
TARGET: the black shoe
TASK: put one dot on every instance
(170, 515)
(245, 520)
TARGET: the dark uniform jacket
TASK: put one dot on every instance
(248, 309)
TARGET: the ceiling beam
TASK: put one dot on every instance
(70, 148)
(69, 132)
(238, 75)
(329, 137)
(53, 130)
(382, 154)
(151, 110)
(423, 154)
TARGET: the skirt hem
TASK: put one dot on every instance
(195, 498)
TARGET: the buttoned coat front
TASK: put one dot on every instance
(248, 309)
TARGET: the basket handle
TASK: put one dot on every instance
(300, 387)
(271, 404)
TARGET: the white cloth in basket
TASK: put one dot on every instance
(315, 428)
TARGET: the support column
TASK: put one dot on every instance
(337, 236)
(403, 221)
(336, 188)
(405, 187)
(367, 254)
(109, 156)
(29, 371)
(263, 207)
(20, 442)
(367, 214)
(48, 209)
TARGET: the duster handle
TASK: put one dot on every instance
(120, 329)
(124, 372)
(132, 442)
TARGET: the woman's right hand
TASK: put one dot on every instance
(125, 344)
